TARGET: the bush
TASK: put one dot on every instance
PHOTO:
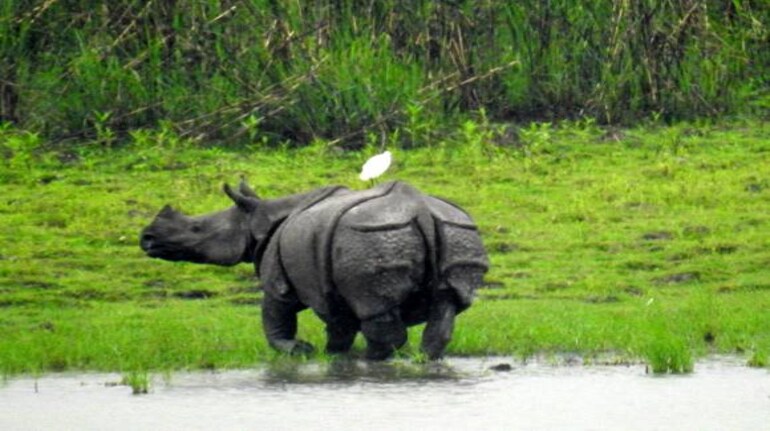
(232, 70)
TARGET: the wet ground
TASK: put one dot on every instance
(485, 394)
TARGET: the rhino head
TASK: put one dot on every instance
(225, 237)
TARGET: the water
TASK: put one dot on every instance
(461, 394)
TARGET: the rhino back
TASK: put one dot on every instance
(305, 245)
(380, 251)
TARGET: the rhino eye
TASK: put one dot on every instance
(196, 228)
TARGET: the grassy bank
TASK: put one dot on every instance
(647, 243)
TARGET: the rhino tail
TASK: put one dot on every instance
(426, 225)
(460, 259)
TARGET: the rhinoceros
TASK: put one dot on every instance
(375, 261)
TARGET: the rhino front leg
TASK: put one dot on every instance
(438, 330)
(384, 335)
(279, 321)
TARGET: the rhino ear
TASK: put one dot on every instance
(167, 212)
(246, 203)
(246, 190)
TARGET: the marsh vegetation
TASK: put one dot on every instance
(614, 154)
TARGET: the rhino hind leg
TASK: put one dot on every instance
(339, 339)
(279, 320)
(384, 335)
(438, 330)
(341, 332)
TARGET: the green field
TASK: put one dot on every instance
(643, 244)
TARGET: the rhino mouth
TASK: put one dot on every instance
(159, 250)
(153, 248)
(148, 244)
(166, 253)
(156, 252)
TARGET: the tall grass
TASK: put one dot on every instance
(277, 70)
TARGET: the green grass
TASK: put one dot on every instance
(650, 244)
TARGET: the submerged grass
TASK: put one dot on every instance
(138, 381)
(759, 359)
(667, 354)
(648, 243)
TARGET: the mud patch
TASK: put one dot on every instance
(679, 257)
(7, 303)
(48, 179)
(753, 287)
(155, 284)
(47, 326)
(679, 278)
(640, 206)
(492, 284)
(505, 297)
(696, 231)
(503, 247)
(633, 291)
(235, 290)
(757, 186)
(90, 294)
(661, 235)
(601, 299)
(724, 249)
(38, 285)
(641, 266)
(555, 286)
(134, 213)
(194, 294)
(246, 301)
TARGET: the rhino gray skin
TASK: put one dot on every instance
(375, 261)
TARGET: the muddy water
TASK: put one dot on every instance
(460, 394)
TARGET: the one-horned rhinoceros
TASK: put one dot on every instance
(374, 261)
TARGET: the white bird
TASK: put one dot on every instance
(375, 166)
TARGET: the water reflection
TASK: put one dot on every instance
(347, 370)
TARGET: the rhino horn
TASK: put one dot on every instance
(246, 203)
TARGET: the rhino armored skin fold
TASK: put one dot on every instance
(375, 261)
